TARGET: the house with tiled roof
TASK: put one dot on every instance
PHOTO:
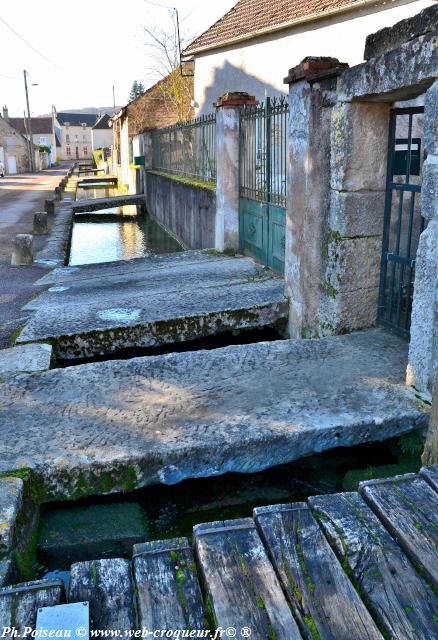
(251, 47)
(43, 133)
(75, 134)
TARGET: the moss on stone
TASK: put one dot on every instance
(189, 182)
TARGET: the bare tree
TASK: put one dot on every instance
(164, 53)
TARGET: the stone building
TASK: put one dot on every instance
(43, 133)
(243, 50)
(101, 133)
(14, 151)
(75, 134)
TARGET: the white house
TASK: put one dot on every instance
(101, 133)
(250, 47)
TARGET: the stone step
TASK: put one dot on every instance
(162, 419)
(143, 266)
(117, 319)
(28, 358)
(138, 282)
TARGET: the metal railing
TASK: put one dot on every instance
(187, 149)
(263, 151)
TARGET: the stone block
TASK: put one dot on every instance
(429, 189)
(7, 572)
(50, 207)
(350, 311)
(393, 37)
(11, 501)
(57, 193)
(26, 358)
(40, 227)
(353, 264)
(357, 213)
(359, 141)
(430, 137)
(423, 347)
(22, 253)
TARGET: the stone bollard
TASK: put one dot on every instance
(40, 223)
(57, 193)
(50, 207)
(22, 254)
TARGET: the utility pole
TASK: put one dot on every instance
(29, 125)
(114, 99)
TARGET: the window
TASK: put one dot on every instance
(84, 137)
(84, 124)
(68, 150)
(67, 138)
(76, 137)
(43, 139)
(85, 151)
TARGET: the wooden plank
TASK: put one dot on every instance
(169, 595)
(19, 604)
(107, 586)
(405, 606)
(408, 507)
(240, 582)
(430, 474)
(325, 602)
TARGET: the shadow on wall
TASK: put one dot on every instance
(231, 78)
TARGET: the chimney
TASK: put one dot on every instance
(5, 113)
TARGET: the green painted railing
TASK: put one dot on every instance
(187, 149)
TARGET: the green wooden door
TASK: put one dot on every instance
(263, 135)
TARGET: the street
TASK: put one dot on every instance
(20, 197)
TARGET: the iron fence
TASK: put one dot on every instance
(263, 151)
(187, 149)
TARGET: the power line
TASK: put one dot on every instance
(29, 45)
(163, 6)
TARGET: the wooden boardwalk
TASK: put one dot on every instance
(340, 567)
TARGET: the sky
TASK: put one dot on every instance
(86, 48)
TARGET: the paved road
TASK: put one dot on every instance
(20, 197)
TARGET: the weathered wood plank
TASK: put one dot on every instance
(240, 582)
(107, 586)
(406, 607)
(430, 474)
(19, 604)
(169, 595)
(325, 602)
(408, 507)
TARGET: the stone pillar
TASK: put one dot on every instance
(49, 206)
(227, 169)
(423, 347)
(148, 157)
(40, 227)
(57, 193)
(22, 253)
(308, 178)
(358, 158)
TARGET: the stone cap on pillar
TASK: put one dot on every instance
(235, 99)
(312, 67)
(147, 129)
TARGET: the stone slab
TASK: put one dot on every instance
(140, 279)
(19, 604)
(28, 358)
(242, 408)
(138, 311)
(11, 500)
(168, 262)
(392, 37)
(100, 203)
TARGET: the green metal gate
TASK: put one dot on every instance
(263, 153)
(403, 221)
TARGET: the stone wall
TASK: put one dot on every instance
(188, 211)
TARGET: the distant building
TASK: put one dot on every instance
(14, 148)
(75, 134)
(43, 133)
(102, 133)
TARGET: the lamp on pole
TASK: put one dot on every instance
(29, 123)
